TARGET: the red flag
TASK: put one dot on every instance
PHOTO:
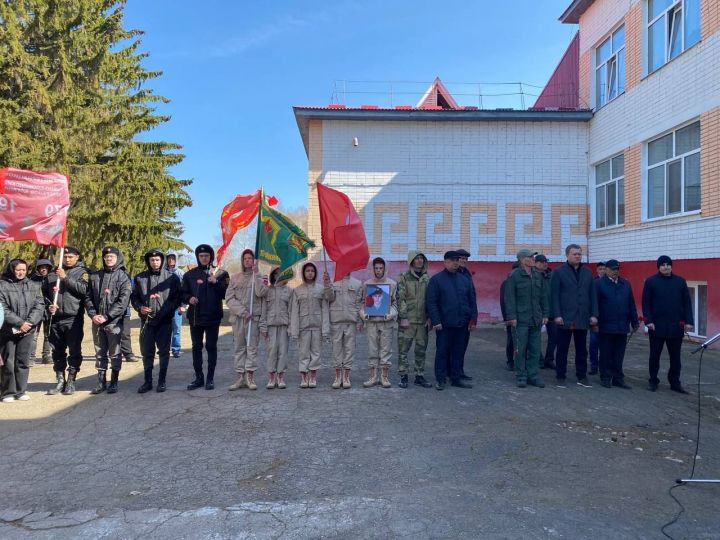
(237, 215)
(343, 235)
(33, 206)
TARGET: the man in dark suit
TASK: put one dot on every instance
(573, 308)
(668, 315)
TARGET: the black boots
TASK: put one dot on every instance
(113, 386)
(147, 385)
(197, 382)
(210, 381)
(60, 377)
(161, 387)
(69, 389)
(102, 382)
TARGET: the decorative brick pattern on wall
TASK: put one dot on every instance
(492, 187)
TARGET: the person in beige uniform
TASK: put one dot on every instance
(309, 322)
(242, 315)
(344, 299)
(274, 321)
(379, 328)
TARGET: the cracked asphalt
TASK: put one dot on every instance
(491, 462)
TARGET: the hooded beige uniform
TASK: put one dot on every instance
(237, 299)
(274, 319)
(344, 298)
(309, 321)
(380, 330)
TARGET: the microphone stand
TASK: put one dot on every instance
(702, 347)
(707, 343)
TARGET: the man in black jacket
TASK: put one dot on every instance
(106, 301)
(668, 315)
(616, 314)
(450, 307)
(155, 296)
(203, 291)
(66, 318)
(22, 302)
(573, 308)
(464, 271)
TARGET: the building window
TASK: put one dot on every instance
(610, 192)
(673, 26)
(610, 68)
(698, 299)
(673, 172)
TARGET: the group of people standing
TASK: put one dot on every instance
(62, 297)
(569, 302)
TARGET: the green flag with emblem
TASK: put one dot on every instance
(279, 241)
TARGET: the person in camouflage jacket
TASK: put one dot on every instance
(411, 287)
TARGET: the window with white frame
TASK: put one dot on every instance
(673, 172)
(673, 26)
(610, 68)
(698, 299)
(610, 192)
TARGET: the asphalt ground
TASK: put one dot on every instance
(494, 461)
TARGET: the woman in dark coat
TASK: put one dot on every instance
(23, 305)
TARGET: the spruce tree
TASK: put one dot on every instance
(74, 98)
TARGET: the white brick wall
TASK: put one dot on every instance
(602, 17)
(406, 164)
(688, 237)
(678, 92)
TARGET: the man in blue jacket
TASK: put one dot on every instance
(450, 306)
(668, 315)
(617, 313)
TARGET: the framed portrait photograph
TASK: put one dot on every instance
(377, 299)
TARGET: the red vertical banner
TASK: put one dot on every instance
(33, 206)
(343, 235)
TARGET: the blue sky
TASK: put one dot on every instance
(234, 69)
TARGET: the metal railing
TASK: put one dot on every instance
(487, 95)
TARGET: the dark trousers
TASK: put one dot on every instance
(449, 343)
(210, 333)
(509, 346)
(15, 371)
(594, 350)
(152, 339)
(656, 348)
(563, 346)
(125, 341)
(46, 345)
(462, 366)
(551, 329)
(106, 340)
(67, 334)
(612, 354)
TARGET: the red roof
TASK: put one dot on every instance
(563, 89)
(437, 97)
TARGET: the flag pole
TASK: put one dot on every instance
(57, 286)
(252, 285)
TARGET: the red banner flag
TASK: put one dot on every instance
(238, 214)
(343, 235)
(33, 206)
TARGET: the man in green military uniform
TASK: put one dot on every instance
(413, 318)
(527, 306)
